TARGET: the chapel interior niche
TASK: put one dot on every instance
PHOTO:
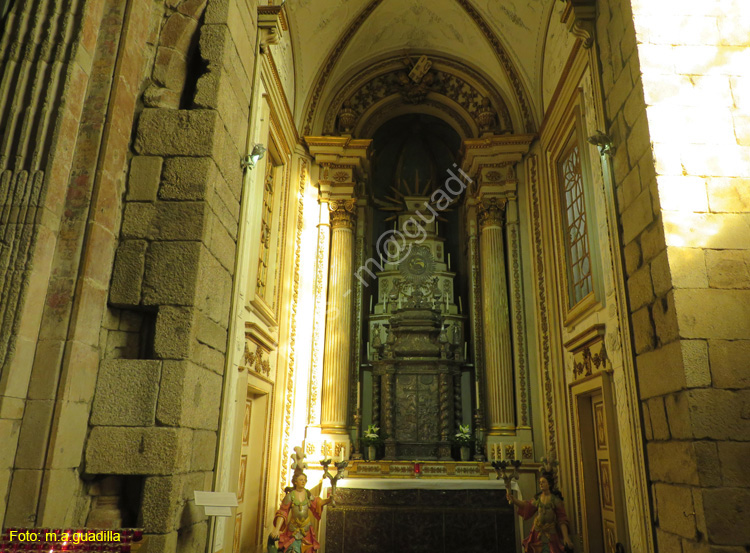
(416, 377)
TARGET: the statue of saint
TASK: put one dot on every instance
(293, 522)
(550, 532)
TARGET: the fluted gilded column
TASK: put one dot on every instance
(498, 362)
(338, 337)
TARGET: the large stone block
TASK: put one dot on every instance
(175, 332)
(127, 275)
(660, 275)
(658, 415)
(639, 139)
(712, 314)
(192, 539)
(143, 182)
(9, 432)
(169, 132)
(720, 414)
(633, 258)
(214, 295)
(204, 450)
(660, 371)
(69, 434)
(22, 499)
(35, 429)
(154, 450)
(126, 393)
(672, 462)
(707, 458)
(221, 243)
(165, 502)
(677, 408)
(671, 502)
(138, 220)
(668, 543)
(211, 334)
(209, 358)
(665, 319)
(643, 330)
(190, 396)
(171, 273)
(180, 220)
(640, 288)
(187, 178)
(727, 511)
(687, 267)
(727, 372)
(695, 358)
(652, 241)
(637, 217)
(729, 195)
(728, 268)
(733, 458)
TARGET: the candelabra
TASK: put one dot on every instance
(340, 473)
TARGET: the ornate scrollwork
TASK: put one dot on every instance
(590, 361)
(343, 213)
(491, 212)
(257, 361)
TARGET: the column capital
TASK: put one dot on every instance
(491, 212)
(343, 213)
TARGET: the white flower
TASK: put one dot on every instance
(372, 431)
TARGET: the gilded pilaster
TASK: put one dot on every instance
(319, 318)
(498, 363)
(338, 339)
(518, 321)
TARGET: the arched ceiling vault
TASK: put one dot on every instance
(335, 39)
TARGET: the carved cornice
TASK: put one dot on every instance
(343, 213)
(491, 212)
(580, 18)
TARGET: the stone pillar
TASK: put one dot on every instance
(498, 364)
(337, 350)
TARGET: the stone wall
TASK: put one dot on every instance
(676, 80)
(129, 222)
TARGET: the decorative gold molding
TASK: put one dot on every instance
(289, 396)
(532, 168)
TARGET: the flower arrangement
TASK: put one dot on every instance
(371, 436)
(463, 437)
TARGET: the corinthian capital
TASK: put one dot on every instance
(343, 213)
(491, 212)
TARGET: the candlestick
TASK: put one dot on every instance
(359, 391)
(466, 350)
(515, 450)
(381, 262)
(370, 304)
(437, 232)
(460, 306)
(369, 356)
